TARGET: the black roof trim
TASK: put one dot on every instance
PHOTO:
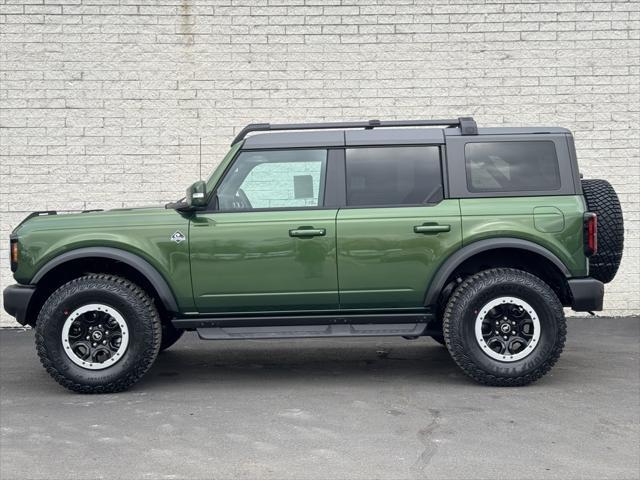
(467, 126)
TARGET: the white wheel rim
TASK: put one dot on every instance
(99, 339)
(499, 324)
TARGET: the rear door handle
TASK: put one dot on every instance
(307, 232)
(429, 228)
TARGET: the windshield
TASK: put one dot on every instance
(219, 170)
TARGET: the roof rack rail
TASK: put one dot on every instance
(467, 126)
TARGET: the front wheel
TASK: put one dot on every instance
(98, 334)
(504, 327)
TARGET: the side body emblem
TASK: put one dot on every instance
(178, 237)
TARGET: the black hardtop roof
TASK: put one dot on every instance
(372, 132)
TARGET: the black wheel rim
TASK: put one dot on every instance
(95, 336)
(507, 329)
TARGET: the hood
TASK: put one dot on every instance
(118, 217)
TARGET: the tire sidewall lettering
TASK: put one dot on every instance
(479, 291)
(141, 320)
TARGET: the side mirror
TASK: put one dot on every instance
(197, 194)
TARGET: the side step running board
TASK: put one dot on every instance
(297, 320)
(312, 331)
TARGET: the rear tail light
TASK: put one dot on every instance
(14, 253)
(590, 234)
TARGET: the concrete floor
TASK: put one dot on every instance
(365, 408)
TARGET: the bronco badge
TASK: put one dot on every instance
(178, 237)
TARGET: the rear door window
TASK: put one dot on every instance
(389, 176)
(512, 166)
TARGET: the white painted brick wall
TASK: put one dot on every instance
(103, 101)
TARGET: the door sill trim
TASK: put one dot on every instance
(389, 318)
(312, 331)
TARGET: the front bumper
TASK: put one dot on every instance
(16, 300)
(587, 294)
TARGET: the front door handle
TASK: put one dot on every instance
(429, 228)
(307, 232)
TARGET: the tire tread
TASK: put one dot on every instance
(602, 199)
(462, 295)
(134, 374)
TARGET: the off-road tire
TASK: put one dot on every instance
(170, 335)
(475, 292)
(602, 200)
(120, 294)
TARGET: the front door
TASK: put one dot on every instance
(269, 246)
(396, 228)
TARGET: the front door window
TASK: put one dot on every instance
(274, 179)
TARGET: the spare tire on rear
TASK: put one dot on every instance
(602, 200)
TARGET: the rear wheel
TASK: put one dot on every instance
(504, 327)
(98, 334)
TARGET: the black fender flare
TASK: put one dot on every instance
(134, 261)
(468, 251)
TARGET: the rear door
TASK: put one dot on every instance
(396, 228)
(270, 243)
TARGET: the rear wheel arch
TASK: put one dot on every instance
(499, 252)
(76, 263)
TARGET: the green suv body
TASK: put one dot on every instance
(338, 231)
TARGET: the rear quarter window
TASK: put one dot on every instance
(512, 166)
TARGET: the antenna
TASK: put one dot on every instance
(200, 156)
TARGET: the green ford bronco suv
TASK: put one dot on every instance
(475, 237)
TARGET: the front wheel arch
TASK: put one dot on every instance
(76, 263)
